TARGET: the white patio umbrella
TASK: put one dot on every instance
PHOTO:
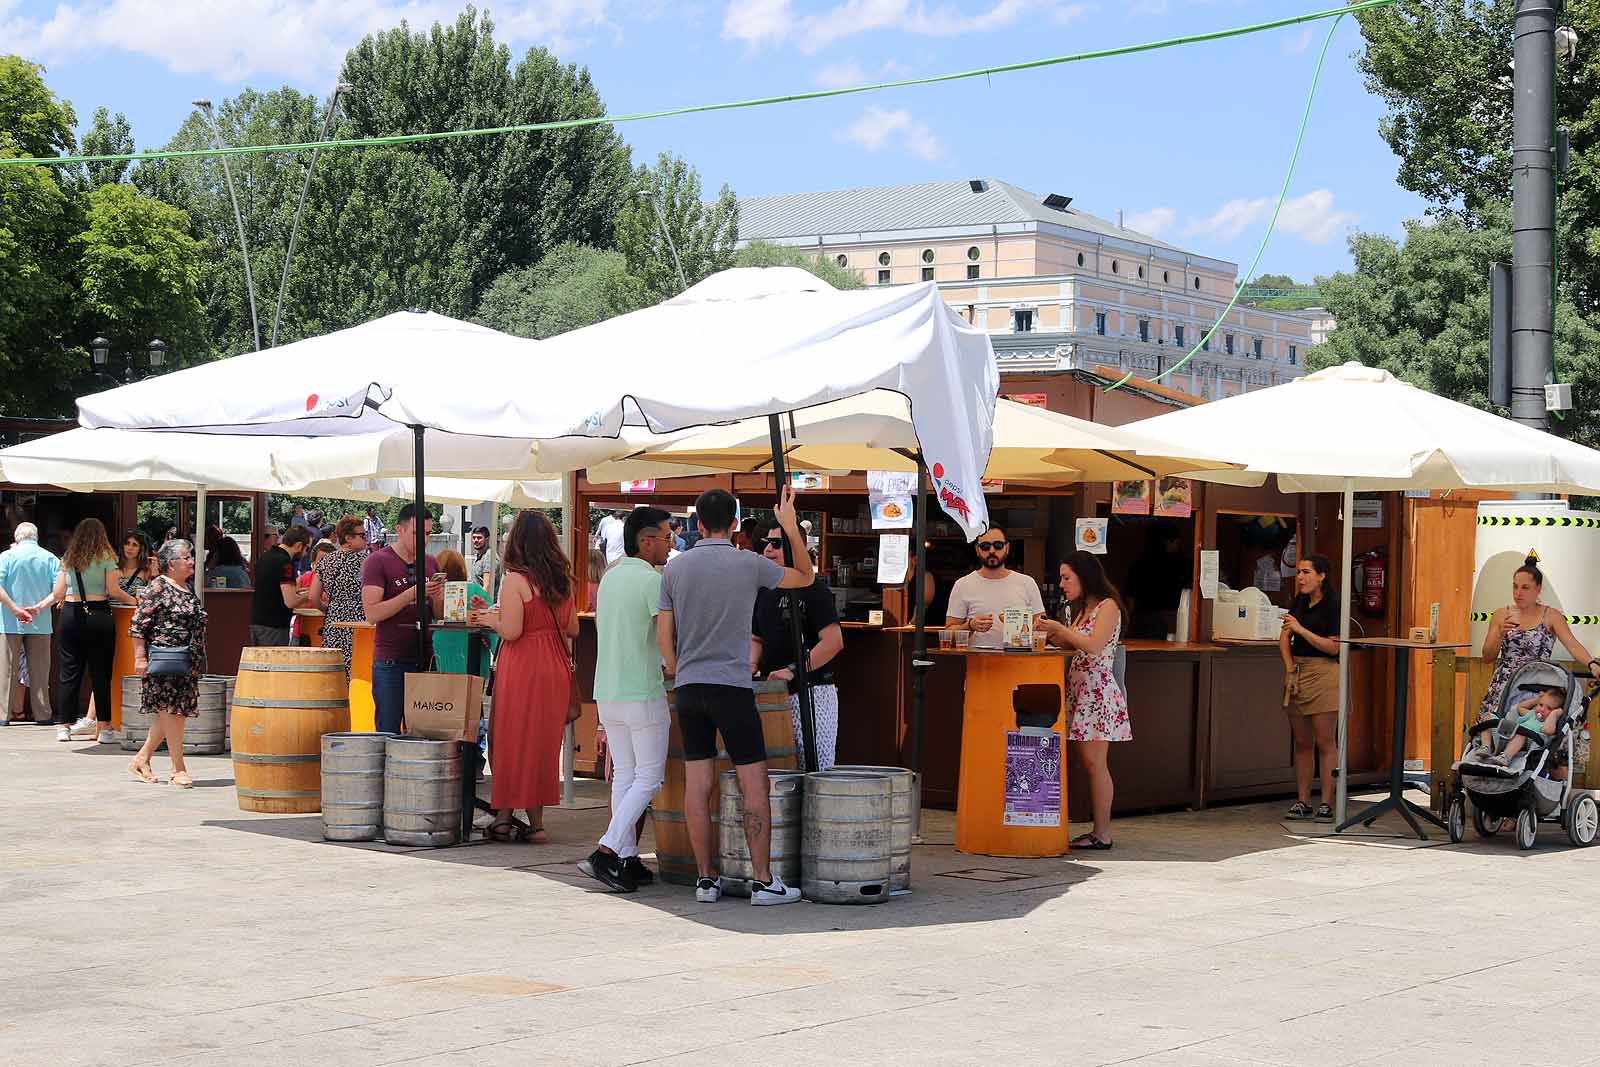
(1355, 428)
(742, 343)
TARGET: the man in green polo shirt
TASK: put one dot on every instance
(630, 693)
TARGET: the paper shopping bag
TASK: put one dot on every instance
(444, 707)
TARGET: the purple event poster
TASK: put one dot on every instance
(1033, 779)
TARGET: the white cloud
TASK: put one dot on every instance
(301, 40)
(841, 75)
(1311, 217)
(759, 22)
(1155, 222)
(1296, 45)
(877, 129)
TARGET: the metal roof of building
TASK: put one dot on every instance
(928, 205)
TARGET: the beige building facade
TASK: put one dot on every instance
(1057, 288)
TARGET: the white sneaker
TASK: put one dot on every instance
(708, 890)
(83, 730)
(63, 733)
(773, 892)
(109, 737)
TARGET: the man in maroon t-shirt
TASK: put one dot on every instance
(388, 592)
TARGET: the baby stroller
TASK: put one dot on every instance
(1522, 788)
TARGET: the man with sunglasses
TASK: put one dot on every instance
(977, 600)
(772, 652)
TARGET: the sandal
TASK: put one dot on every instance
(534, 835)
(181, 779)
(142, 772)
(501, 830)
(1091, 842)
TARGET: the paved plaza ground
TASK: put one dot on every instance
(145, 924)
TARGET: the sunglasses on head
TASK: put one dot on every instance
(989, 546)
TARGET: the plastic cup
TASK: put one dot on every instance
(963, 639)
(946, 639)
(1038, 642)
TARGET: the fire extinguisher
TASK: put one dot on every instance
(1374, 578)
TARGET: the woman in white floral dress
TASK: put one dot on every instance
(1098, 707)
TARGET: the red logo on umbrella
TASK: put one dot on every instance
(311, 402)
(938, 470)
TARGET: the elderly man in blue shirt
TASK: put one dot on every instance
(27, 584)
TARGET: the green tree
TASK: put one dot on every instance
(703, 235)
(108, 136)
(573, 286)
(520, 194)
(767, 254)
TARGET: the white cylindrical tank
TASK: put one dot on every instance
(1568, 544)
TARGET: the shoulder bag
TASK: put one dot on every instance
(173, 661)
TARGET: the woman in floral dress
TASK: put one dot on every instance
(338, 578)
(1523, 631)
(169, 616)
(1099, 709)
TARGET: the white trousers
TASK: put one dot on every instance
(636, 736)
(825, 721)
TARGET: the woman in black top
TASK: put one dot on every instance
(1309, 644)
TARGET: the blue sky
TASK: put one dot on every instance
(1190, 142)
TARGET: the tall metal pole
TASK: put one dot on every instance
(797, 633)
(421, 543)
(1533, 211)
(569, 533)
(919, 645)
(667, 234)
(294, 228)
(1341, 786)
(244, 246)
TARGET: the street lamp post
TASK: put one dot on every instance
(294, 228)
(244, 248)
(155, 356)
(647, 194)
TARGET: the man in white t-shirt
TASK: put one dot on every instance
(977, 600)
(608, 537)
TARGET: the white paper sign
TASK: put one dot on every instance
(891, 483)
(1210, 570)
(1368, 514)
(1091, 536)
(894, 555)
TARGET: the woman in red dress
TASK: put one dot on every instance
(536, 621)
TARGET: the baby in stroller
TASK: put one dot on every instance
(1539, 713)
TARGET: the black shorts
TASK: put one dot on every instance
(704, 711)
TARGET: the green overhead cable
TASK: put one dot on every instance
(1272, 223)
(820, 94)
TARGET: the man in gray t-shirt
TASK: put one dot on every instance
(977, 600)
(703, 632)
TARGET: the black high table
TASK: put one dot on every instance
(471, 755)
(1396, 800)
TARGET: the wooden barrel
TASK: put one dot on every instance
(135, 724)
(352, 786)
(284, 700)
(784, 792)
(846, 842)
(907, 801)
(421, 791)
(673, 853)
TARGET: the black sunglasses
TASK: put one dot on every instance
(985, 546)
(772, 542)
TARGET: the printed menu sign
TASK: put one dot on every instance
(1016, 628)
(1033, 779)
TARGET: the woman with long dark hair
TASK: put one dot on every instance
(537, 623)
(137, 566)
(1309, 644)
(1096, 703)
(1523, 631)
(89, 580)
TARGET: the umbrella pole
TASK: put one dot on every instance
(198, 546)
(797, 633)
(1341, 789)
(421, 544)
(919, 646)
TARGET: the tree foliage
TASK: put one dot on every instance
(767, 254)
(573, 286)
(703, 235)
(108, 136)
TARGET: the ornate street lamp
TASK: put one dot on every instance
(155, 360)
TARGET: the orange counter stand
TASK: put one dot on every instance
(310, 620)
(987, 716)
(363, 712)
(121, 659)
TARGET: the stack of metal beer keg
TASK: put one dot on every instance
(406, 790)
(205, 735)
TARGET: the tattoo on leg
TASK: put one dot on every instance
(755, 824)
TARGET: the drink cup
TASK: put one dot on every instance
(963, 640)
(946, 639)
(1038, 641)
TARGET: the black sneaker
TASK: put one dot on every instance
(606, 868)
(1324, 813)
(642, 875)
(1298, 810)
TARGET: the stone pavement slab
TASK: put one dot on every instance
(148, 925)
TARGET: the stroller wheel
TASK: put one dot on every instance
(1527, 829)
(1583, 820)
(1455, 818)
(1483, 824)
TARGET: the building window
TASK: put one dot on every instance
(927, 274)
(972, 271)
(1205, 343)
(883, 259)
(1256, 347)
(1080, 259)
(1291, 355)
(1113, 266)
(1177, 334)
(927, 255)
(883, 277)
(842, 259)
(973, 253)
(1144, 329)
(1022, 320)
(1227, 344)
(1166, 277)
(1100, 323)
(1197, 283)
(1141, 272)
